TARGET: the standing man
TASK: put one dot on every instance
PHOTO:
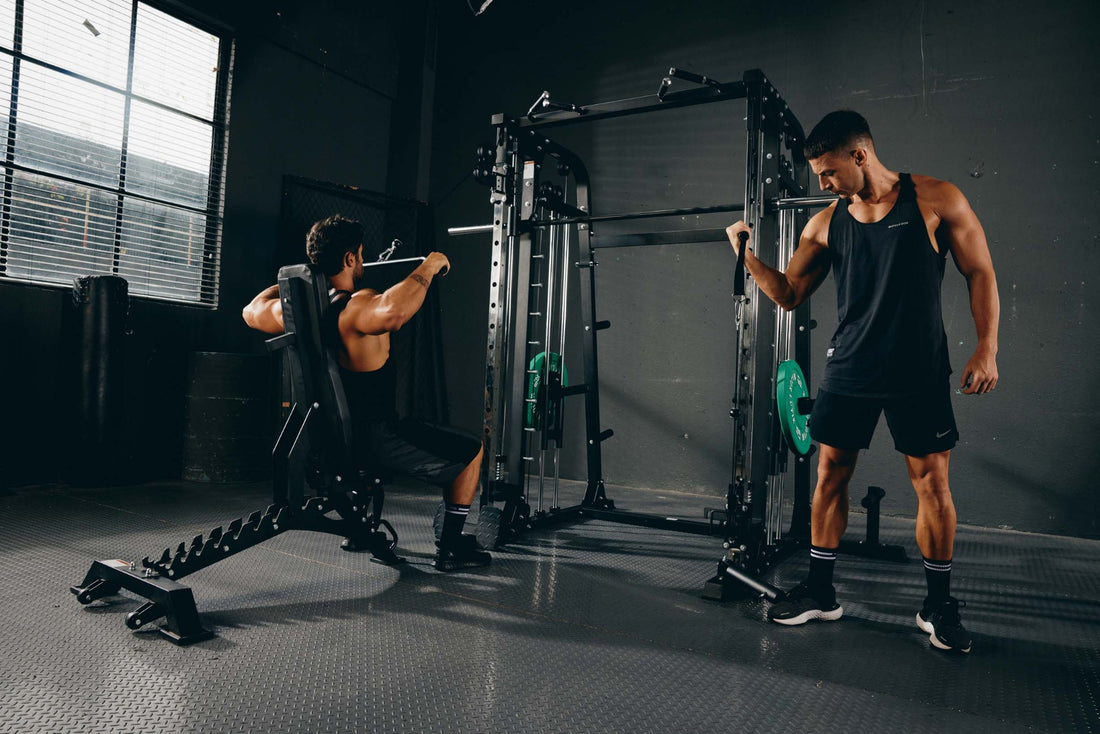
(886, 239)
(440, 456)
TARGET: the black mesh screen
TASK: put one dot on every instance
(417, 349)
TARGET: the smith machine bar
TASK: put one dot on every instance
(535, 220)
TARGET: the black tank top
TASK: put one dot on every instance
(889, 338)
(370, 395)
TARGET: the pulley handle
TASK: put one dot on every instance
(739, 269)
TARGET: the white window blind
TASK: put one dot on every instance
(113, 162)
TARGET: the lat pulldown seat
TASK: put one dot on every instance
(314, 451)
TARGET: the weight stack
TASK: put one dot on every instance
(100, 306)
(230, 421)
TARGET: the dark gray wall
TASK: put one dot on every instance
(314, 93)
(998, 97)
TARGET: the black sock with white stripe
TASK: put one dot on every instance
(453, 521)
(822, 561)
(938, 574)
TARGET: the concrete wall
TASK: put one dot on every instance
(314, 91)
(998, 97)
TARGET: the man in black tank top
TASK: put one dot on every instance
(886, 240)
(359, 322)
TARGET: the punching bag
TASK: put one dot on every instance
(100, 307)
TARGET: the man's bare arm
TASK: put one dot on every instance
(966, 238)
(379, 313)
(265, 312)
(807, 269)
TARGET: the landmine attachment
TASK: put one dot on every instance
(871, 547)
(747, 576)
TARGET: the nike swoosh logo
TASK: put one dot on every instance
(941, 435)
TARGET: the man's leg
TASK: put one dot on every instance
(457, 498)
(842, 425)
(464, 488)
(458, 551)
(815, 598)
(939, 615)
(450, 459)
(829, 514)
(935, 508)
(924, 430)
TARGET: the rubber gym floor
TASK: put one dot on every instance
(590, 627)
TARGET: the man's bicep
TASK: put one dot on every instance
(812, 260)
(265, 315)
(275, 317)
(965, 235)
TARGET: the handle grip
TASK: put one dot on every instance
(739, 269)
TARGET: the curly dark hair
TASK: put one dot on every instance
(836, 131)
(329, 239)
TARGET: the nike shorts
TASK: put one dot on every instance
(922, 423)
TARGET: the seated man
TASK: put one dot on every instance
(365, 320)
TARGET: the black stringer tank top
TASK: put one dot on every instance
(370, 395)
(889, 338)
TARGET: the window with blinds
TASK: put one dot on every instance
(114, 154)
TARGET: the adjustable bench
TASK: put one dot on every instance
(318, 482)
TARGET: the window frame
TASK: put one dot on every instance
(209, 285)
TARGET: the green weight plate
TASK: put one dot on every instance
(790, 385)
(532, 415)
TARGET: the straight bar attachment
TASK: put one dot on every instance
(417, 259)
(802, 202)
(646, 239)
(641, 215)
(472, 229)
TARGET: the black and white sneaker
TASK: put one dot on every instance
(464, 553)
(943, 625)
(801, 605)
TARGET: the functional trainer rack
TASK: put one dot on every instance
(534, 224)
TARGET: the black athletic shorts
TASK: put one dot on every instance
(432, 453)
(921, 423)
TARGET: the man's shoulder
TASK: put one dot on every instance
(364, 293)
(359, 317)
(817, 229)
(361, 298)
(933, 189)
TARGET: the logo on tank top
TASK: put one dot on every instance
(899, 224)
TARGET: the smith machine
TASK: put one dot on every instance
(535, 224)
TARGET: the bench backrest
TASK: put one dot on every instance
(314, 371)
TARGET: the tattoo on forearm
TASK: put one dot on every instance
(420, 279)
